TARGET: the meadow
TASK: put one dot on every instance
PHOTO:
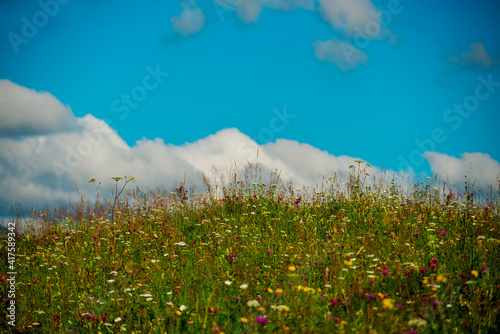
(262, 257)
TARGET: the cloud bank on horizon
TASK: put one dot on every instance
(43, 158)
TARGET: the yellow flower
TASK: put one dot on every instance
(381, 295)
(475, 273)
(441, 278)
(386, 303)
(306, 289)
(426, 281)
(279, 290)
(244, 320)
(348, 263)
(343, 322)
(299, 287)
(270, 290)
(435, 188)
(261, 309)
(291, 268)
(178, 312)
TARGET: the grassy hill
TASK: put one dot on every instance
(262, 258)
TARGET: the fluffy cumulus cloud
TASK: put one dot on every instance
(480, 168)
(477, 56)
(190, 21)
(351, 16)
(37, 167)
(24, 110)
(345, 55)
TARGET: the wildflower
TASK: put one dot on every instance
(343, 322)
(181, 243)
(384, 272)
(283, 307)
(484, 269)
(118, 319)
(253, 303)
(474, 273)
(183, 307)
(270, 290)
(269, 252)
(441, 278)
(261, 320)
(243, 286)
(170, 304)
(387, 304)
(228, 282)
(244, 320)
(291, 268)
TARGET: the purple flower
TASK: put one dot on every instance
(261, 320)
(484, 269)
(269, 251)
(384, 272)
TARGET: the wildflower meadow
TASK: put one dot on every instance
(349, 256)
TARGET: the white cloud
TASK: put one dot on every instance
(25, 111)
(346, 56)
(250, 10)
(480, 168)
(476, 56)
(357, 18)
(190, 21)
(45, 167)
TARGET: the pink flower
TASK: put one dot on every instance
(261, 320)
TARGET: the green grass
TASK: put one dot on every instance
(368, 260)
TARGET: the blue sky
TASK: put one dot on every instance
(230, 63)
